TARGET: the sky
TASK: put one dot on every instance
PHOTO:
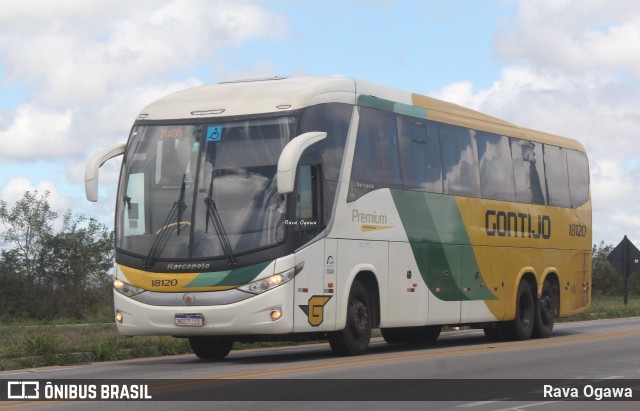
(74, 74)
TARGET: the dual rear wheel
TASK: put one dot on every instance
(534, 318)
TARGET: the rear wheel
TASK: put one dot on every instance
(354, 339)
(210, 348)
(521, 327)
(545, 312)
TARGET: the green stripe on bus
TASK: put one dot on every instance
(408, 110)
(438, 238)
(236, 277)
(392, 106)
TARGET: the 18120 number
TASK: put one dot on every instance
(164, 283)
(577, 230)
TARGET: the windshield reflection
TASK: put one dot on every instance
(224, 175)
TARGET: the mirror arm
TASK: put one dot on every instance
(288, 161)
(91, 170)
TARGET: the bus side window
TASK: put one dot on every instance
(528, 171)
(334, 119)
(308, 219)
(496, 167)
(459, 161)
(555, 166)
(578, 177)
(419, 154)
(376, 163)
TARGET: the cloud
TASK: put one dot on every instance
(88, 68)
(37, 130)
(15, 188)
(575, 35)
(91, 66)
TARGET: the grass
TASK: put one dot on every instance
(29, 346)
(609, 307)
(36, 346)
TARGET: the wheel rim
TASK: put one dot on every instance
(524, 310)
(360, 318)
(546, 308)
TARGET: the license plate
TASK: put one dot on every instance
(190, 320)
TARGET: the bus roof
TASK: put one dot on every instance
(281, 94)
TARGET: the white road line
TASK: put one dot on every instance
(521, 407)
(475, 404)
(614, 377)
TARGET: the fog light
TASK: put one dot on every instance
(276, 315)
(119, 316)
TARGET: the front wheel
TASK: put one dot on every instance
(210, 348)
(354, 339)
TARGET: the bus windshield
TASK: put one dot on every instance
(202, 190)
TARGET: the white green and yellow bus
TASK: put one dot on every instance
(325, 207)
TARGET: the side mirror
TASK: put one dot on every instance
(288, 161)
(91, 170)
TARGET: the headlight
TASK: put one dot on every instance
(265, 284)
(126, 289)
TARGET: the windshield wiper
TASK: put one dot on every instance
(212, 213)
(174, 219)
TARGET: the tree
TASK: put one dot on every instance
(76, 263)
(606, 279)
(45, 273)
(24, 227)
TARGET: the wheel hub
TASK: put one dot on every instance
(360, 318)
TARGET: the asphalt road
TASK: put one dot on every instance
(603, 353)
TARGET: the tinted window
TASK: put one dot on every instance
(459, 161)
(578, 177)
(376, 162)
(528, 168)
(334, 119)
(419, 154)
(555, 167)
(496, 167)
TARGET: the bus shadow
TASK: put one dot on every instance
(292, 354)
(317, 351)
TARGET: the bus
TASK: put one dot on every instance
(305, 208)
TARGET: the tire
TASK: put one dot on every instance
(426, 334)
(395, 335)
(545, 313)
(354, 339)
(210, 348)
(521, 328)
(411, 335)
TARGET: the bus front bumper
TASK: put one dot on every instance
(253, 316)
